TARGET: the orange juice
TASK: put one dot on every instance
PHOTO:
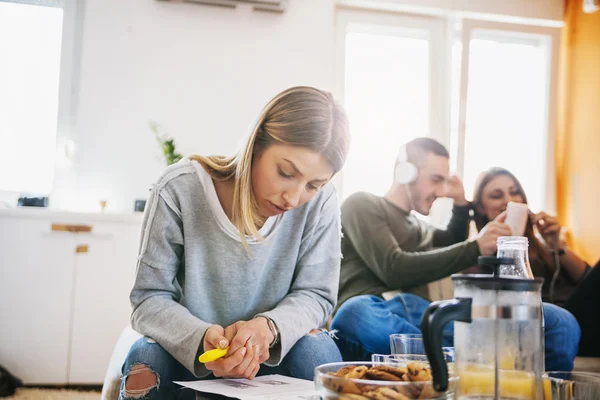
(547, 389)
(477, 381)
(562, 390)
(507, 360)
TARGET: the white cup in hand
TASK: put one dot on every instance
(516, 217)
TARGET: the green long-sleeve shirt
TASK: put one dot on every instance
(386, 248)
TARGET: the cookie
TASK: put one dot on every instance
(351, 396)
(382, 375)
(375, 395)
(341, 385)
(392, 394)
(428, 392)
(398, 371)
(385, 394)
(410, 391)
(342, 372)
(417, 372)
(414, 367)
(357, 372)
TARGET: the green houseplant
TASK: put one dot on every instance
(166, 143)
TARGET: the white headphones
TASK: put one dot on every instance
(405, 172)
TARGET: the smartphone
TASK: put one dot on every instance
(517, 215)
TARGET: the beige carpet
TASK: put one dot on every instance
(53, 394)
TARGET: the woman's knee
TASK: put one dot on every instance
(140, 380)
(144, 366)
(312, 350)
(316, 349)
(145, 351)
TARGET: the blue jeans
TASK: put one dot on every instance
(365, 323)
(308, 353)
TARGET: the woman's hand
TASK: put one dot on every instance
(248, 343)
(241, 362)
(549, 228)
(255, 331)
(214, 338)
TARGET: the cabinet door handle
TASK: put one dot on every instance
(82, 248)
(71, 228)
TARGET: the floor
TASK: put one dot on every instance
(53, 394)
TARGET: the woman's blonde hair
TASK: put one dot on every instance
(300, 116)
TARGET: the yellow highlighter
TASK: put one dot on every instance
(213, 355)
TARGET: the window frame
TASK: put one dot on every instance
(439, 91)
(68, 86)
(446, 28)
(552, 34)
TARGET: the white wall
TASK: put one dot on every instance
(203, 73)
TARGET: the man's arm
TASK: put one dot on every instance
(457, 230)
(367, 228)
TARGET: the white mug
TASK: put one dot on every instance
(516, 217)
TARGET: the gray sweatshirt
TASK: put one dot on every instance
(193, 270)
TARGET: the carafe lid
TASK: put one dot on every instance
(495, 281)
(490, 282)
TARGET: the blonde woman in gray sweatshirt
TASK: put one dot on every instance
(243, 253)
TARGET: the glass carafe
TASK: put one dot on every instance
(515, 249)
(498, 338)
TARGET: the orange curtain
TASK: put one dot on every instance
(578, 131)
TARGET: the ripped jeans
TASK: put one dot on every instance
(300, 362)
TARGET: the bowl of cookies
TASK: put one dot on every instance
(403, 379)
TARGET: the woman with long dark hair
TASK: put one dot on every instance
(569, 282)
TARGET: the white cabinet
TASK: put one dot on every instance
(101, 309)
(36, 289)
(64, 296)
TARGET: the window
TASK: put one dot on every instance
(388, 93)
(506, 122)
(482, 88)
(30, 49)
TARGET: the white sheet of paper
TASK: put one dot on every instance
(268, 387)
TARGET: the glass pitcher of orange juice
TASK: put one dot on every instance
(498, 336)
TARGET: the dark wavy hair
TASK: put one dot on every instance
(536, 248)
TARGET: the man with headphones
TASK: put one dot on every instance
(387, 249)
